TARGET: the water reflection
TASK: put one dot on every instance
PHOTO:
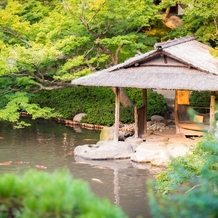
(47, 145)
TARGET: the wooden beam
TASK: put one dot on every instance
(117, 114)
(136, 122)
(176, 115)
(212, 110)
(144, 95)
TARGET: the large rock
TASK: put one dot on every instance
(157, 118)
(177, 150)
(159, 153)
(104, 150)
(134, 142)
(78, 117)
(107, 134)
(149, 152)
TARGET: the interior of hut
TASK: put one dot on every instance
(192, 118)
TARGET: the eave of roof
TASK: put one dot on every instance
(200, 71)
(152, 78)
(196, 55)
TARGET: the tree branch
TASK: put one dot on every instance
(196, 186)
(117, 54)
(49, 88)
(15, 34)
(83, 21)
(216, 26)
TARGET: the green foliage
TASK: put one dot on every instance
(19, 101)
(201, 99)
(56, 41)
(191, 183)
(71, 101)
(46, 44)
(127, 114)
(199, 18)
(156, 103)
(99, 116)
(38, 194)
(202, 18)
(98, 103)
(182, 168)
(197, 199)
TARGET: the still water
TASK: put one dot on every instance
(47, 146)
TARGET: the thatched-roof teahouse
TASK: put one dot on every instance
(182, 64)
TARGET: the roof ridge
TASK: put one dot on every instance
(161, 45)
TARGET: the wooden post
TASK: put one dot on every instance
(117, 114)
(176, 112)
(212, 110)
(136, 122)
(144, 94)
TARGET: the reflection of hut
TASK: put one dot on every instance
(180, 64)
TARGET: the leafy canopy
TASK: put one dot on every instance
(46, 44)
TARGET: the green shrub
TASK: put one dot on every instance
(127, 114)
(39, 194)
(182, 168)
(191, 184)
(98, 103)
(70, 101)
(156, 103)
(99, 116)
(105, 116)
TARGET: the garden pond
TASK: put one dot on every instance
(47, 145)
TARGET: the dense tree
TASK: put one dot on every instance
(46, 44)
(199, 18)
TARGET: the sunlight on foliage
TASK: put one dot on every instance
(20, 102)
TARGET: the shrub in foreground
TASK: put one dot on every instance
(38, 194)
(189, 187)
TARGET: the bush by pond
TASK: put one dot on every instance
(38, 194)
(188, 188)
(98, 103)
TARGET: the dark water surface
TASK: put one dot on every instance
(47, 145)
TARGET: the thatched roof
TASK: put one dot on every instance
(180, 64)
